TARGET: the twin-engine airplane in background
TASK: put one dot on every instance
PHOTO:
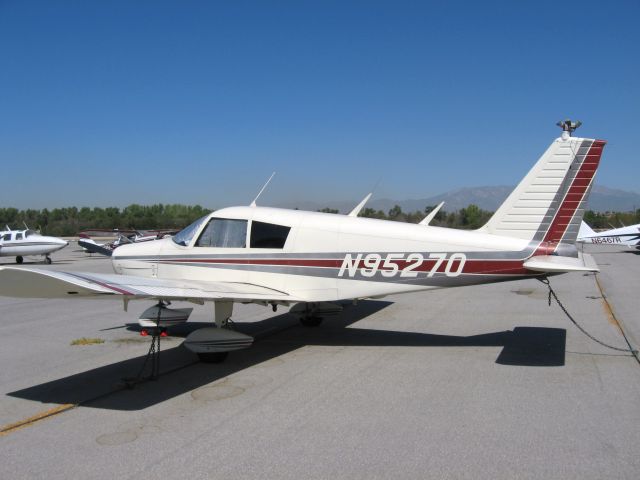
(627, 236)
(22, 243)
(311, 260)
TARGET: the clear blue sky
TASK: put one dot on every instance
(118, 102)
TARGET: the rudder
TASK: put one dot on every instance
(548, 204)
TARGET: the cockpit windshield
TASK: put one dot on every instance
(184, 236)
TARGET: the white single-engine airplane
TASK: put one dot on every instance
(627, 236)
(310, 260)
(22, 243)
(89, 245)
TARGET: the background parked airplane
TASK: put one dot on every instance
(628, 236)
(21, 243)
(123, 237)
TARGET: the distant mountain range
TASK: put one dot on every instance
(602, 199)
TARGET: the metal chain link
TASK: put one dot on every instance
(552, 293)
(153, 354)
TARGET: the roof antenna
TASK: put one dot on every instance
(568, 127)
(356, 210)
(253, 204)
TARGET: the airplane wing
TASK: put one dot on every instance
(37, 283)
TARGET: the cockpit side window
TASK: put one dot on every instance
(268, 235)
(224, 233)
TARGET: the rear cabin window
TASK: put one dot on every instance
(7, 237)
(18, 236)
(224, 233)
(268, 235)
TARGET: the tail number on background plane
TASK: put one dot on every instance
(606, 240)
(388, 266)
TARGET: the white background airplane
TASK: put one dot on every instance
(21, 243)
(627, 236)
(311, 260)
(124, 238)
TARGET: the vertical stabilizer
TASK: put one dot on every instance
(585, 231)
(548, 204)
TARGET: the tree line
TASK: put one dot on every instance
(466, 218)
(63, 222)
(472, 217)
(71, 220)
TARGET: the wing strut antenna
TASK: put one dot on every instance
(360, 206)
(426, 220)
(253, 204)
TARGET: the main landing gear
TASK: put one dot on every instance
(213, 344)
(312, 314)
(20, 259)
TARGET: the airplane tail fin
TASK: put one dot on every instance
(548, 204)
(585, 231)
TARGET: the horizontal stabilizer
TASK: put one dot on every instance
(559, 264)
(93, 247)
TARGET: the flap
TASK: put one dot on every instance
(36, 283)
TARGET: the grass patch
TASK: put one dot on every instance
(87, 341)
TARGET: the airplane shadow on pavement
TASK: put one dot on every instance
(181, 372)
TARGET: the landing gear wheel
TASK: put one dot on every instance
(311, 321)
(213, 357)
(19, 260)
(47, 260)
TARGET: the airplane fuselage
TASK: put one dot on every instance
(18, 243)
(331, 257)
(627, 236)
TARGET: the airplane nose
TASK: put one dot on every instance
(60, 243)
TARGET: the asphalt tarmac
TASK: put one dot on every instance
(481, 382)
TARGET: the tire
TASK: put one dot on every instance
(311, 321)
(19, 260)
(213, 357)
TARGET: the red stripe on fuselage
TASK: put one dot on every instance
(477, 267)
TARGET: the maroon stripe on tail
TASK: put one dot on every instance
(575, 194)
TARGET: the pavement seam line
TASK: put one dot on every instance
(12, 427)
(610, 312)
